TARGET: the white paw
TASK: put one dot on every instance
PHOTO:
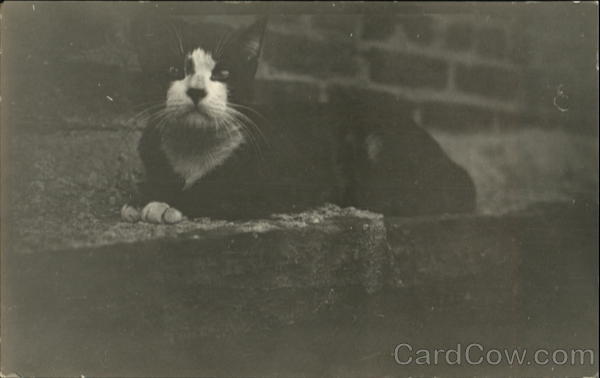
(160, 213)
(153, 212)
(130, 214)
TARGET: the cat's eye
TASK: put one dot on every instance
(220, 75)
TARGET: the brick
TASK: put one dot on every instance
(302, 55)
(286, 20)
(419, 29)
(491, 42)
(342, 24)
(279, 91)
(520, 51)
(369, 98)
(455, 117)
(488, 81)
(459, 37)
(378, 27)
(539, 89)
(408, 70)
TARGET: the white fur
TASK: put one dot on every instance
(153, 212)
(214, 105)
(193, 168)
(215, 101)
(160, 213)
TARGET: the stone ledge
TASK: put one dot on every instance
(259, 297)
(351, 243)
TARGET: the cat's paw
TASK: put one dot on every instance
(130, 214)
(153, 212)
(160, 213)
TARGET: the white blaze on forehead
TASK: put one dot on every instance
(203, 61)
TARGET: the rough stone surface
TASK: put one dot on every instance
(63, 185)
(276, 301)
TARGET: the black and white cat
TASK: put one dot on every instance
(208, 150)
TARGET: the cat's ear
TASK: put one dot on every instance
(250, 40)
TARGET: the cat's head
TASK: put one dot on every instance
(205, 74)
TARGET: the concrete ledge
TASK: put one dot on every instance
(323, 292)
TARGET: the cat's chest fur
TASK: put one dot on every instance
(193, 152)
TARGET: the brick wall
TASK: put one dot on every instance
(450, 71)
(455, 69)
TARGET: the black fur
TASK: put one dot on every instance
(306, 155)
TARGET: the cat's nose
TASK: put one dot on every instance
(196, 94)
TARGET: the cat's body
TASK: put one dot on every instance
(208, 153)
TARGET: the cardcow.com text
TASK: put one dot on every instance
(475, 354)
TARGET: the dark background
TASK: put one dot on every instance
(327, 292)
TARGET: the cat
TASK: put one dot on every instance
(209, 151)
